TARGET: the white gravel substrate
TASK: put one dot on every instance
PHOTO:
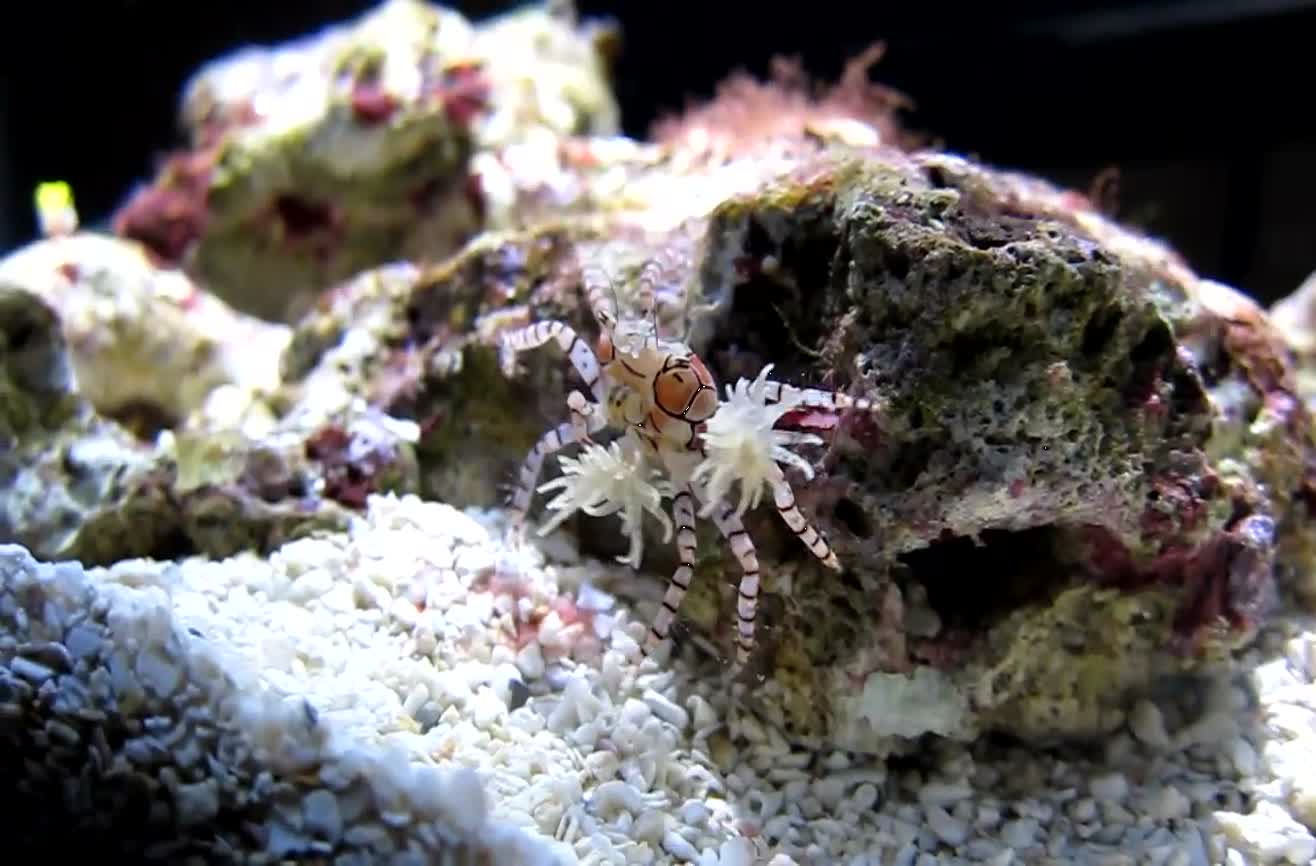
(413, 687)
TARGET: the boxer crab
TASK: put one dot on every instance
(678, 441)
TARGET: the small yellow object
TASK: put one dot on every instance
(55, 209)
(54, 195)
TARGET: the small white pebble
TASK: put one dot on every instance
(551, 631)
(665, 709)
(949, 829)
(635, 711)
(1109, 787)
(830, 790)
(1148, 725)
(735, 852)
(680, 848)
(1175, 857)
(837, 761)
(944, 793)
(1083, 810)
(751, 729)
(864, 797)
(694, 813)
(487, 708)
(602, 765)
(614, 795)
(1020, 833)
(702, 712)
(778, 826)
(625, 644)
(530, 661)
(1243, 756)
(649, 827)
(464, 800)
(1168, 804)
(983, 849)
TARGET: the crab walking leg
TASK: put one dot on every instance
(581, 355)
(584, 423)
(651, 277)
(816, 398)
(784, 498)
(600, 295)
(747, 599)
(683, 513)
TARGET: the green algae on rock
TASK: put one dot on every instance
(1047, 439)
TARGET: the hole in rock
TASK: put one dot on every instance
(850, 514)
(971, 585)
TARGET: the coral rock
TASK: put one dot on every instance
(1088, 472)
(311, 161)
(79, 486)
(148, 346)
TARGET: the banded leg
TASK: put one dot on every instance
(585, 421)
(683, 512)
(816, 398)
(747, 597)
(784, 498)
(662, 286)
(600, 295)
(648, 285)
(532, 337)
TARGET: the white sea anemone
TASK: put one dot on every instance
(740, 445)
(612, 479)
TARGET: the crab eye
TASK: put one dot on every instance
(672, 391)
(684, 389)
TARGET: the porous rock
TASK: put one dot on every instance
(80, 486)
(311, 161)
(147, 345)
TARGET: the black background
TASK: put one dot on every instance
(1205, 106)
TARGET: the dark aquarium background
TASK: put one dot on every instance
(1203, 107)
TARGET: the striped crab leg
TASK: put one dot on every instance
(816, 398)
(584, 423)
(533, 336)
(784, 498)
(747, 596)
(683, 514)
(601, 296)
